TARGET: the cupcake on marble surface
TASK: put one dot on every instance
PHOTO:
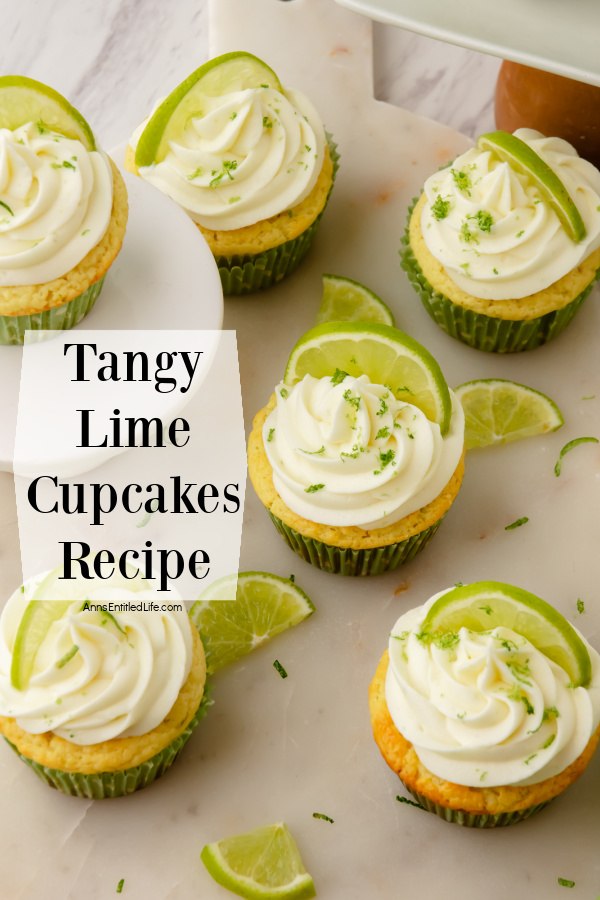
(63, 211)
(355, 477)
(485, 723)
(98, 703)
(503, 254)
(247, 159)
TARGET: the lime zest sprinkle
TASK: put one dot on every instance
(566, 882)
(318, 452)
(270, 435)
(517, 523)
(113, 619)
(466, 235)
(284, 393)
(279, 668)
(352, 399)
(84, 232)
(195, 174)
(580, 606)
(568, 447)
(550, 713)
(484, 219)
(520, 233)
(547, 743)
(401, 799)
(529, 758)
(338, 376)
(318, 815)
(120, 886)
(267, 122)
(67, 657)
(6, 207)
(313, 488)
(383, 433)
(487, 609)
(462, 180)
(440, 208)
(447, 640)
(386, 458)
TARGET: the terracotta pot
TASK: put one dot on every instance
(557, 106)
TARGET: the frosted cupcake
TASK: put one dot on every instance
(504, 247)
(98, 703)
(63, 212)
(482, 725)
(356, 478)
(248, 160)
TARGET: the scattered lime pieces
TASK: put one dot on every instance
(523, 158)
(279, 668)
(235, 71)
(385, 354)
(488, 604)
(318, 815)
(25, 100)
(233, 622)
(263, 864)
(345, 300)
(570, 446)
(523, 520)
(498, 411)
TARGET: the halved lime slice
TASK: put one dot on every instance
(523, 158)
(488, 604)
(263, 864)
(235, 71)
(25, 100)
(385, 354)
(233, 622)
(498, 411)
(345, 300)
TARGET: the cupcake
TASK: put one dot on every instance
(504, 247)
(355, 478)
(248, 160)
(98, 694)
(63, 212)
(485, 723)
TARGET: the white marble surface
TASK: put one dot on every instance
(275, 749)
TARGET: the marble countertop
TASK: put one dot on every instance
(275, 749)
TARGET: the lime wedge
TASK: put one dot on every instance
(235, 71)
(523, 158)
(498, 411)
(263, 864)
(488, 604)
(25, 100)
(385, 354)
(233, 622)
(345, 300)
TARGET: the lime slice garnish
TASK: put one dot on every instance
(488, 604)
(345, 300)
(523, 158)
(235, 71)
(385, 354)
(233, 622)
(25, 100)
(262, 864)
(498, 411)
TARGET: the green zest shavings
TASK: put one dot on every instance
(279, 668)
(195, 174)
(466, 235)
(352, 399)
(568, 447)
(313, 488)
(65, 164)
(338, 376)
(385, 459)
(284, 393)
(580, 606)
(517, 523)
(67, 657)
(440, 208)
(267, 122)
(382, 433)
(120, 886)
(566, 882)
(410, 802)
(270, 435)
(317, 815)
(229, 166)
(6, 207)
(484, 220)
(462, 180)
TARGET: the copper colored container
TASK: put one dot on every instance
(557, 106)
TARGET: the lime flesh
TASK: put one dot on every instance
(385, 354)
(264, 864)
(523, 158)
(485, 605)
(235, 71)
(25, 100)
(234, 621)
(498, 411)
(345, 300)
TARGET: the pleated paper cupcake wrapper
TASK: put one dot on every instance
(346, 561)
(255, 272)
(473, 820)
(106, 785)
(486, 332)
(61, 318)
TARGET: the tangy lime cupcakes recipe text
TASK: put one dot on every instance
(63, 211)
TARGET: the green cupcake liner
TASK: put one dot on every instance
(254, 272)
(474, 820)
(486, 332)
(346, 561)
(105, 785)
(61, 318)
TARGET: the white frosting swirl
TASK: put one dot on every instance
(350, 453)
(487, 709)
(55, 203)
(493, 231)
(252, 154)
(121, 681)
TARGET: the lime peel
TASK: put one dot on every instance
(570, 445)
